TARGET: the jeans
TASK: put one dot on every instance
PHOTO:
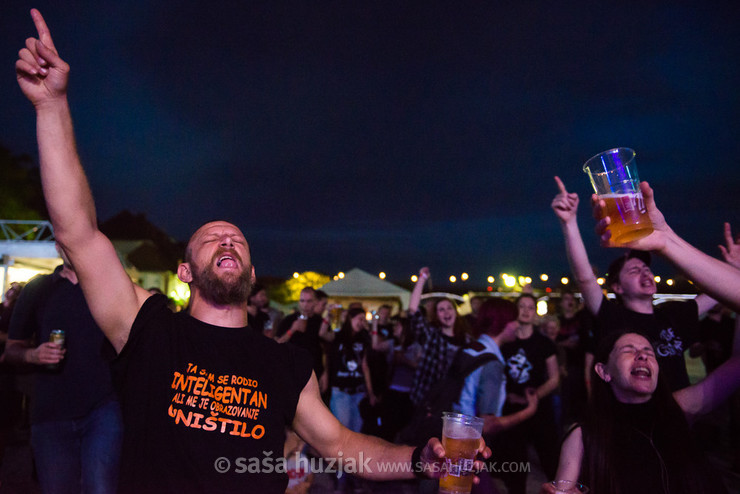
(346, 408)
(80, 455)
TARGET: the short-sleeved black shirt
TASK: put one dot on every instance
(525, 360)
(197, 398)
(672, 327)
(345, 359)
(82, 380)
(309, 339)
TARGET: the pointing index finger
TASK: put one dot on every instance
(42, 29)
(561, 185)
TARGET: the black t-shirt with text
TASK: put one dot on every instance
(199, 399)
(346, 356)
(672, 327)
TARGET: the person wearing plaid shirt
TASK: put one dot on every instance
(441, 339)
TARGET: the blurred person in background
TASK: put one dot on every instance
(11, 398)
(441, 337)
(76, 424)
(531, 362)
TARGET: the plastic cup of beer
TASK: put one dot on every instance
(460, 439)
(613, 175)
(569, 487)
(335, 315)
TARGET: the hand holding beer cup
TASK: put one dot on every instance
(461, 441)
(613, 175)
(433, 459)
(656, 241)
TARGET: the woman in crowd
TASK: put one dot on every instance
(441, 338)
(349, 374)
(531, 362)
(349, 377)
(636, 437)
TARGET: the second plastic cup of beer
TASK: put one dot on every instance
(613, 175)
(460, 439)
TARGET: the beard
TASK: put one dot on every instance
(230, 289)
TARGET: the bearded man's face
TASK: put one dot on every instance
(220, 264)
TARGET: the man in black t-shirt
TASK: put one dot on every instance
(202, 393)
(304, 329)
(76, 426)
(671, 326)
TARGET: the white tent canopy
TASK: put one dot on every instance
(357, 283)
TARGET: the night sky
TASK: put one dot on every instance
(392, 135)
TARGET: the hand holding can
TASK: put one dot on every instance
(57, 337)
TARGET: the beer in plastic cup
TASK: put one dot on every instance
(569, 487)
(460, 439)
(335, 315)
(614, 178)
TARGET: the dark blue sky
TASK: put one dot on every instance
(391, 135)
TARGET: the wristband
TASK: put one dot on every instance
(416, 467)
(327, 322)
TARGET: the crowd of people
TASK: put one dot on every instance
(379, 371)
(143, 399)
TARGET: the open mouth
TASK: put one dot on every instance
(226, 262)
(642, 372)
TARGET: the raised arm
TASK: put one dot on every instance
(384, 346)
(565, 206)
(112, 297)
(703, 303)
(415, 297)
(718, 279)
(325, 331)
(706, 395)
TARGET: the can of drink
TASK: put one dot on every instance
(56, 336)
